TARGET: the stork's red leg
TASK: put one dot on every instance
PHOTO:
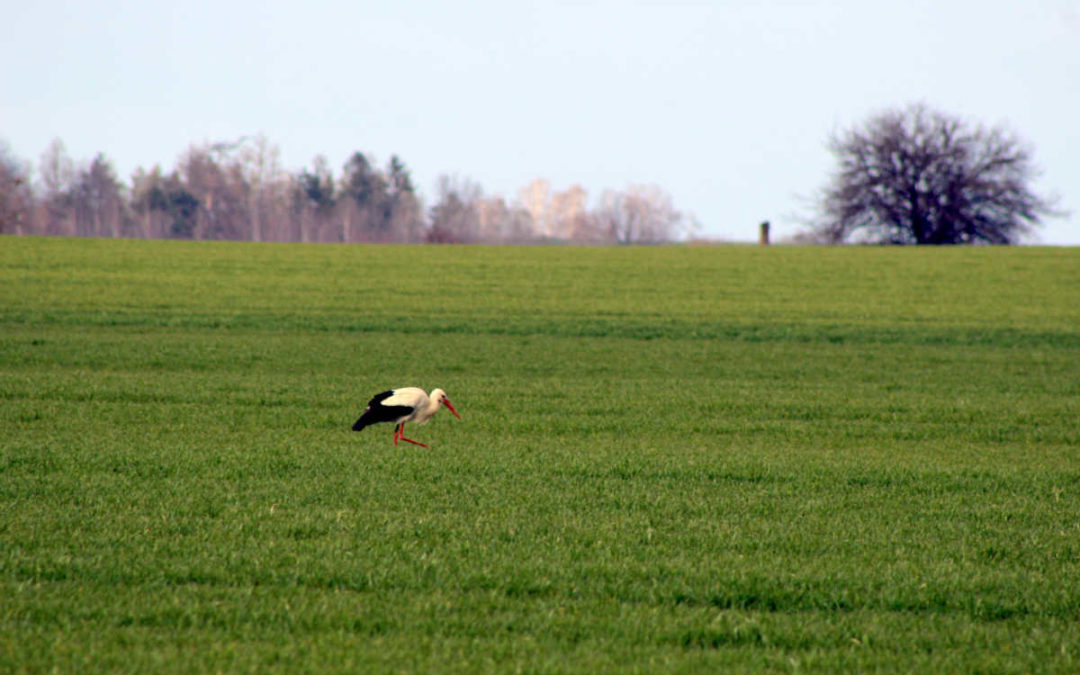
(409, 440)
(397, 432)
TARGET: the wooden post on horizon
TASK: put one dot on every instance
(763, 235)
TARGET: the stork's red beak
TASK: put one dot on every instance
(446, 402)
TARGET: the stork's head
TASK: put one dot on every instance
(439, 396)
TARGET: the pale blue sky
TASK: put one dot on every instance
(726, 105)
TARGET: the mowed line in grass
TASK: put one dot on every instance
(990, 295)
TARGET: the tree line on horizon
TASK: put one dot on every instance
(910, 175)
(239, 191)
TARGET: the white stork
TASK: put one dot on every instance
(408, 404)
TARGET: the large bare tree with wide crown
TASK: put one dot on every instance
(921, 176)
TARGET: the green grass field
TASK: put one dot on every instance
(670, 459)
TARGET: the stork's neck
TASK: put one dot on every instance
(428, 410)
(432, 407)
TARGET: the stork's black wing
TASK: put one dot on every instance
(377, 412)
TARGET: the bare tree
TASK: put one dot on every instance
(16, 200)
(561, 215)
(97, 201)
(500, 223)
(454, 218)
(267, 206)
(535, 198)
(920, 176)
(644, 214)
(221, 189)
(57, 182)
(570, 218)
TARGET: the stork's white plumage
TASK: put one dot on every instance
(408, 404)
